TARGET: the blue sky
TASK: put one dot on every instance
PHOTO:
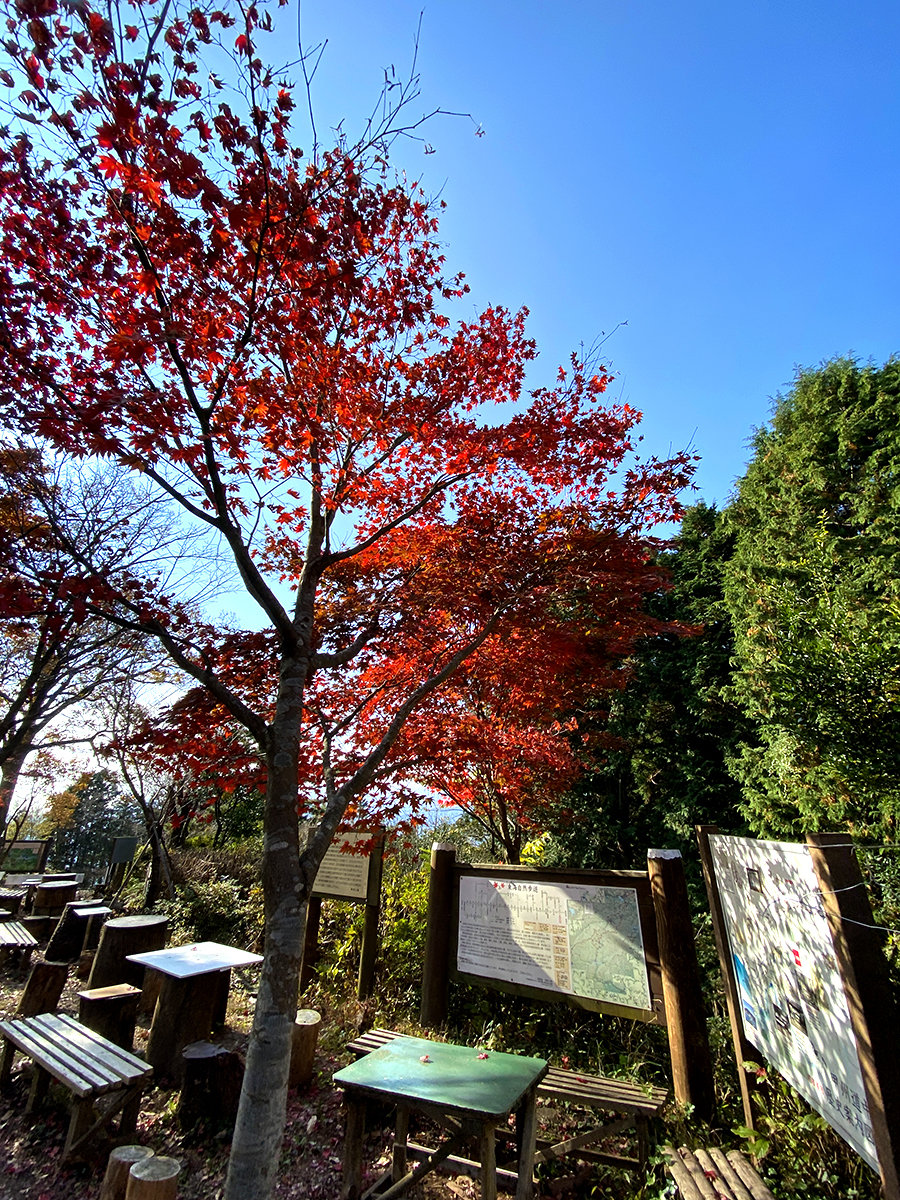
(722, 177)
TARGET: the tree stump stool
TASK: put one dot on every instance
(111, 1012)
(211, 1086)
(69, 937)
(50, 899)
(304, 1038)
(121, 1160)
(153, 1178)
(123, 936)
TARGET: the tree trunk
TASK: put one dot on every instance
(10, 769)
(259, 1128)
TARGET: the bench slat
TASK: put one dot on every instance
(53, 1058)
(75, 1056)
(97, 1050)
(14, 934)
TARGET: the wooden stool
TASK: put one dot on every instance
(154, 1178)
(121, 1160)
(111, 1012)
(304, 1037)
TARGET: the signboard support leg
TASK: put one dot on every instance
(870, 997)
(743, 1051)
(436, 970)
(368, 955)
(310, 942)
(692, 1074)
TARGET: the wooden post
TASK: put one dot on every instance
(436, 969)
(121, 1160)
(123, 936)
(310, 942)
(153, 1178)
(369, 952)
(304, 1038)
(743, 1050)
(858, 948)
(692, 1074)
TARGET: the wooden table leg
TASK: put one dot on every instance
(401, 1136)
(355, 1121)
(6, 1062)
(488, 1156)
(526, 1134)
(183, 1014)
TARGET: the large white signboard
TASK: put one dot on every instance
(578, 939)
(342, 875)
(792, 997)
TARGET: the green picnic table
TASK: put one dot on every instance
(467, 1091)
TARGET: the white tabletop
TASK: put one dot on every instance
(199, 958)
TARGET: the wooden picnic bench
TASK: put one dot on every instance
(104, 1080)
(14, 936)
(714, 1174)
(634, 1104)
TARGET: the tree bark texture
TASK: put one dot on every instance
(259, 1128)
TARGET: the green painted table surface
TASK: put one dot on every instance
(453, 1078)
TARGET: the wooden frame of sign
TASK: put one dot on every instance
(665, 943)
(636, 882)
(35, 851)
(350, 877)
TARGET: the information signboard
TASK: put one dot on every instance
(573, 938)
(24, 856)
(792, 998)
(344, 875)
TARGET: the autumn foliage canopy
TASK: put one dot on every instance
(267, 337)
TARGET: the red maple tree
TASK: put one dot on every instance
(264, 338)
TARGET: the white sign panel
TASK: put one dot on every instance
(792, 997)
(343, 875)
(578, 939)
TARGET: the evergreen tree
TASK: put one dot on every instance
(814, 593)
(661, 752)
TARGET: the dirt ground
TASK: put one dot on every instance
(310, 1168)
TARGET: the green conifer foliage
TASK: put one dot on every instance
(813, 589)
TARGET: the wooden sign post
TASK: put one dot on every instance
(858, 947)
(692, 1073)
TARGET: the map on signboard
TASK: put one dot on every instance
(344, 875)
(792, 996)
(577, 939)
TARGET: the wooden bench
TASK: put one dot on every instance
(714, 1174)
(15, 937)
(103, 1079)
(636, 1105)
